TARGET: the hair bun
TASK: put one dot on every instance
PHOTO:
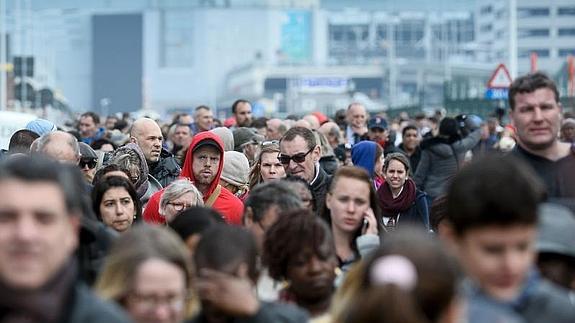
(394, 269)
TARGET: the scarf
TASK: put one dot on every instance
(392, 206)
(43, 305)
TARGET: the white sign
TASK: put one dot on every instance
(323, 85)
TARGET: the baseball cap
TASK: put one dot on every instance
(556, 227)
(377, 122)
(207, 142)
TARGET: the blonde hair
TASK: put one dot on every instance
(130, 251)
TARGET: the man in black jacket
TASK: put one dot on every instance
(162, 164)
(300, 154)
(40, 212)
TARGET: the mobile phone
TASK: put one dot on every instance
(365, 225)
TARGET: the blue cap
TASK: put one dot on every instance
(377, 122)
(41, 126)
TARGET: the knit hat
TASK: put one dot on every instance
(86, 151)
(41, 126)
(243, 136)
(556, 227)
(226, 136)
(236, 169)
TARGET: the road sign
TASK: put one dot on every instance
(501, 79)
(496, 94)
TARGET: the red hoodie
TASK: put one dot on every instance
(226, 203)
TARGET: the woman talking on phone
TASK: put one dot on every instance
(352, 211)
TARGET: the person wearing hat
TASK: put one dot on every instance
(379, 133)
(246, 141)
(556, 246)
(235, 176)
(41, 126)
(203, 166)
(88, 161)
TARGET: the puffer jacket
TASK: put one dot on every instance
(166, 170)
(440, 161)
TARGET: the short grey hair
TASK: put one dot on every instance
(43, 141)
(178, 188)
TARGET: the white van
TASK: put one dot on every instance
(10, 122)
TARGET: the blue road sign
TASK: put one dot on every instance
(496, 94)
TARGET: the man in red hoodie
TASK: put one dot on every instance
(203, 165)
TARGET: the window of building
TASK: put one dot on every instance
(501, 13)
(566, 32)
(542, 53)
(176, 30)
(532, 12)
(532, 32)
(486, 28)
(564, 52)
(486, 10)
(566, 11)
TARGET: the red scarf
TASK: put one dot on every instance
(392, 206)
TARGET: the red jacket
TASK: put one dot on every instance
(226, 203)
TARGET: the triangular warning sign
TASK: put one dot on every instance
(501, 79)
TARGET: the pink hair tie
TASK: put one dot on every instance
(394, 269)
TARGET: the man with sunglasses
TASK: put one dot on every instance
(299, 155)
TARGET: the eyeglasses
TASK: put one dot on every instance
(90, 162)
(298, 158)
(179, 206)
(151, 302)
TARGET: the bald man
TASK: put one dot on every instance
(163, 166)
(331, 131)
(275, 129)
(60, 146)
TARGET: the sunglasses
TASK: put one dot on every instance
(298, 158)
(90, 162)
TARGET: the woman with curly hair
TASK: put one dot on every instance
(307, 263)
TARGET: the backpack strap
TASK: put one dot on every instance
(215, 194)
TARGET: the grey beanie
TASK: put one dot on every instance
(556, 230)
(226, 136)
(86, 151)
(236, 169)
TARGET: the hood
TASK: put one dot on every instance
(187, 167)
(119, 154)
(363, 155)
(438, 145)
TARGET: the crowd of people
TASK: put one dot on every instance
(353, 218)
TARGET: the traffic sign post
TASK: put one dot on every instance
(499, 83)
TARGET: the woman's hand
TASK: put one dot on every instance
(370, 223)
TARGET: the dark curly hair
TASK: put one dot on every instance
(289, 236)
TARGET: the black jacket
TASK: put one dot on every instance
(417, 214)
(413, 159)
(166, 170)
(319, 188)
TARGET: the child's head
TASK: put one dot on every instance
(410, 279)
(492, 220)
